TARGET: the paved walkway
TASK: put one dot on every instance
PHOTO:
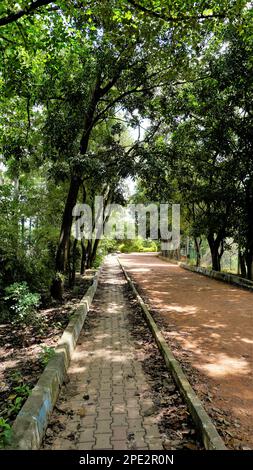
(209, 325)
(106, 404)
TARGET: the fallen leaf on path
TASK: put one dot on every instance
(82, 412)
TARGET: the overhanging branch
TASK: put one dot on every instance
(178, 19)
(139, 89)
(12, 17)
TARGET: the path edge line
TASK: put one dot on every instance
(211, 438)
(31, 422)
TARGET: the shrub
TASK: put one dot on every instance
(5, 433)
(22, 303)
(138, 245)
(46, 354)
(97, 261)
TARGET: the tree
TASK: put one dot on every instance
(70, 69)
(205, 154)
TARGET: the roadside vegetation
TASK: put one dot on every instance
(95, 94)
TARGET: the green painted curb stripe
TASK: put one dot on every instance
(211, 438)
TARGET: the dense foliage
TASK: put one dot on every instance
(75, 78)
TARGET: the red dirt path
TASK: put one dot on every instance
(209, 325)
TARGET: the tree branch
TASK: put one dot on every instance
(177, 19)
(109, 85)
(12, 17)
(7, 39)
(137, 89)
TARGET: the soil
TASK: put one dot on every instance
(208, 324)
(22, 347)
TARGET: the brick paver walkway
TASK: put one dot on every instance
(106, 403)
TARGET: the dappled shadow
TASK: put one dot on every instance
(223, 364)
(208, 321)
(22, 347)
(106, 376)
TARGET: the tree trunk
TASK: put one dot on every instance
(198, 242)
(215, 259)
(83, 258)
(242, 264)
(22, 231)
(94, 252)
(61, 260)
(75, 183)
(68, 270)
(30, 232)
(72, 271)
(61, 255)
(216, 244)
(89, 253)
(76, 179)
(249, 261)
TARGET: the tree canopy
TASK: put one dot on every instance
(77, 79)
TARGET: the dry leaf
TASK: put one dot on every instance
(82, 412)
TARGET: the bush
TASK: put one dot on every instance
(46, 354)
(138, 245)
(5, 433)
(22, 303)
(98, 261)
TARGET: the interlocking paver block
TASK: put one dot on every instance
(103, 414)
(105, 403)
(119, 419)
(133, 413)
(103, 441)
(139, 440)
(132, 402)
(119, 445)
(152, 431)
(106, 380)
(87, 436)
(104, 427)
(155, 444)
(120, 433)
(105, 395)
(135, 424)
(118, 400)
(88, 421)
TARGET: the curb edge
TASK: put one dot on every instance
(211, 438)
(31, 422)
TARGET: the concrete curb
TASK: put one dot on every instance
(218, 276)
(209, 434)
(29, 426)
(168, 260)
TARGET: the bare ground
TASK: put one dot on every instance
(208, 324)
(22, 348)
